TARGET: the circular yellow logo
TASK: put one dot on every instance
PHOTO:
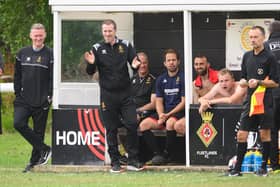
(244, 38)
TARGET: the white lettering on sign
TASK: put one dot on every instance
(206, 154)
(76, 138)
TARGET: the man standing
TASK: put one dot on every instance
(1, 72)
(206, 77)
(258, 68)
(33, 81)
(111, 57)
(273, 44)
(170, 107)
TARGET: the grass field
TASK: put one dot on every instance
(14, 154)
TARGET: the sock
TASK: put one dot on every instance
(170, 142)
(151, 141)
(241, 150)
(265, 153)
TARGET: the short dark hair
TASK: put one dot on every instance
(260, 29)
(109, 22)
(274, 26)
(171, 51)
(200, 55)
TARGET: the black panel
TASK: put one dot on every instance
(208, 21)
(209, 39)
(158, 21)
(155, 32)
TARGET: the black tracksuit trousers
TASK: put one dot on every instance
(35, 136)
(116, 105)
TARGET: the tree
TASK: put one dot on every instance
(16, 19)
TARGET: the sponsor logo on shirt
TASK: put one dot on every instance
(173, 91)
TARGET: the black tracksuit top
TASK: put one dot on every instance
(33, 78)
(111, 62)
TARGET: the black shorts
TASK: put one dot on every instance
(256, 122)
(177, 115)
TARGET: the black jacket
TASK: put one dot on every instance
(273, 44)
(111, 62)
(33, 78)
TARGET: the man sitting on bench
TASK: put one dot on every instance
(170, 105)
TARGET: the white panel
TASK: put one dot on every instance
(6, 87)
(79, 94)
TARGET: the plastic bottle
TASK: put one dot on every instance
(257, 160)
(247, 164)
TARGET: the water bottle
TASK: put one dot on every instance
(247, 162)
(257, 160)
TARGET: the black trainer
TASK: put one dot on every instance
(134, 166)
(116, 168)
(45, 155)
(234, 173)
(261, 172)
(159, 160)
(123, 160)
(28, 167)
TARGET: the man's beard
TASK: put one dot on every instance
(202, 73)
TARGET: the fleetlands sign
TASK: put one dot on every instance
(78, 137)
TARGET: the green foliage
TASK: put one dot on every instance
(16, 20)
(7, 110)
(77, 38)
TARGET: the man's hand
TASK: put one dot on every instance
(89, 56)
(243, 83)
(1, 71)
(162, 118)
(253, 83)
(135, 63)
(204, 105)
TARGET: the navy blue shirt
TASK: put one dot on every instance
(171, 89)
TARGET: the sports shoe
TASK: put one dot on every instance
(158, 160)
(116, 168)
(234, 173)
(135, 166)
(123, 160)
(45, 155)
(261, 172)
(28, 167)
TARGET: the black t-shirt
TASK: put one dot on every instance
(259, 67)
(142, 88)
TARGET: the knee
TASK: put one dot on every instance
(265, 135)
(179, 128)
(242, 136)
(18, 125)
(170, 123)
(145, 125)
